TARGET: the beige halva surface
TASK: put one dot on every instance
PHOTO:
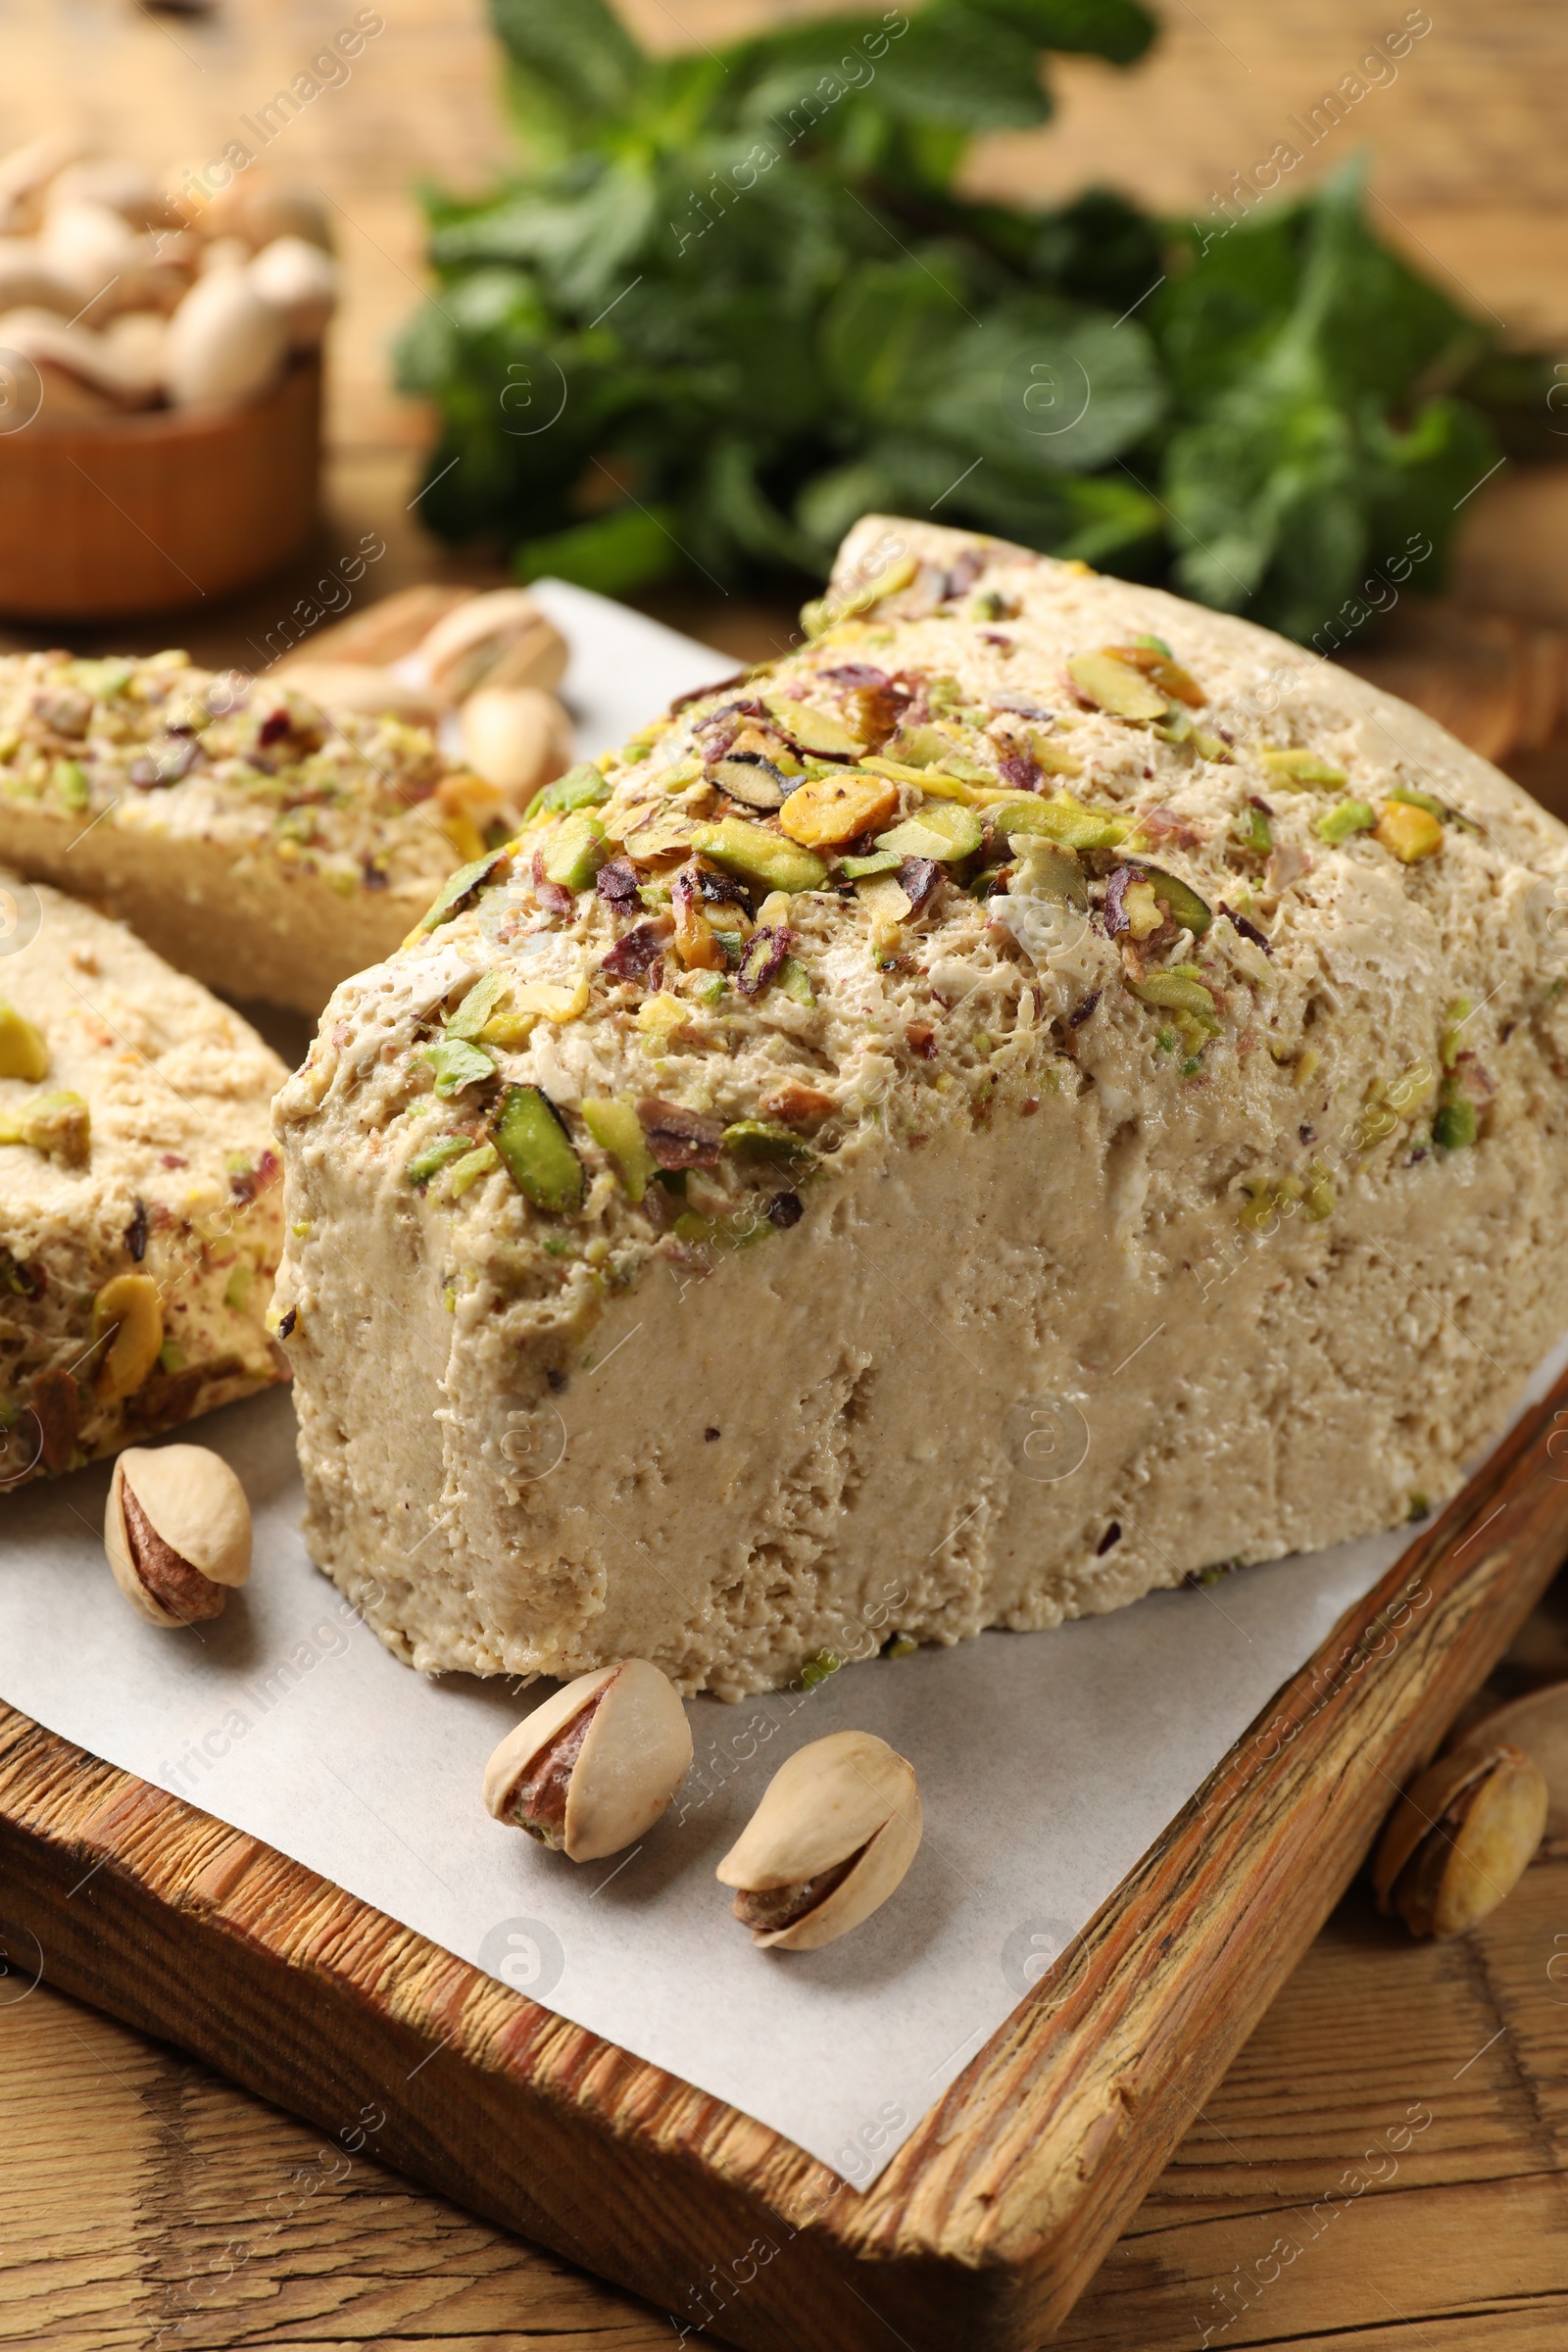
(1046, 1235)
(139, 1192)
(262, 843)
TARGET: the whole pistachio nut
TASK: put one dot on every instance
(838, 1827)
(177, 1532)
(499, 639)
(1539, 1723)
(593, 1768)
(1461, 1838)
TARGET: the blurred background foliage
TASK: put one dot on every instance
(734, 299)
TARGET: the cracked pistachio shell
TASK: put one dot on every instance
(1539, 1723)
(499, 639)
(637, 1752)
(1461, 1838)
(826, 1802)
(194, 1502)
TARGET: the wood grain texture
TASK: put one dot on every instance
(145, 513)
(990, 2223)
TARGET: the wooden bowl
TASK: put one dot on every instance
(144, 514)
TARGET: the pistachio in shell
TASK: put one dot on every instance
(837, 1829)
(1460, 1838)
(177, 1532)
(1539, 1723)
(593, 1769)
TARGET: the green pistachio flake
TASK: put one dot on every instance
(757, 856)
(795, 983)
(23, 1049)
(1254, 830)
(1182, 902)
(477, 1005)
(1456, 1123)
(457, 1064)
(461, 889)
(71, 783)
(1022, 815)
(1175, 991)
(757, 1139)
(469, 1168)
(1294, 767)
(581, 787)
(1066, 820)
(1412, 798)
(817, 1669)
(575, 851)
(932, 747)
(883, 862)
(1047, 870)
(616, 1129)
(1458, 1013)
(431, 1156)
(1344, 820)
(943, 830)
(1114, 686)
(814, 729)
(59, 1125)
(537, 1151)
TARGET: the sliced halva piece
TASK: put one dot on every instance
(1043, 1093)
(259, 840)
(140, 1205)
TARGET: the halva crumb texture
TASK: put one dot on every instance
(140, 1201)
(1043, 1093)
(263, 844)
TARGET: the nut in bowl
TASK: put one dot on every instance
(159, 361)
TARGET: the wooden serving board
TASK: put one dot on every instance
(993, 2218)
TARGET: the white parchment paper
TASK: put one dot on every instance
(1048, 1762)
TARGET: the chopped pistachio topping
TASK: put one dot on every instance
(615, 1127)
(457, 1065)
(1294, 768)
(757, 856)
(1113, 683)
(1457, 1122)
(574, 852)
(581, 787)
(536, 1150)
(1177, 992)
(1345, 818)
(23, 1053)
(60, 1126)
(430, 1157)
(945, 832)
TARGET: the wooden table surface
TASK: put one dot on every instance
(143, 2201)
